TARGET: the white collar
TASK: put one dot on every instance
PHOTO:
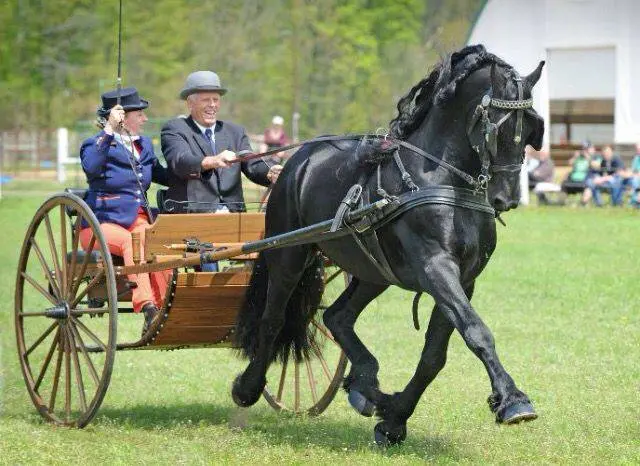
(204, 128)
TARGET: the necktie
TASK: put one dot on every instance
(212, 142)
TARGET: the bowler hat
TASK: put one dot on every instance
(129, 99)
(202, 81)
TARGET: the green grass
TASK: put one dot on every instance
(561, 295)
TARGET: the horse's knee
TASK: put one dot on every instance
(478, 339)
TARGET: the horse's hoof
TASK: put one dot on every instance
(517, 412)
(237, 398)
(358, 401)
(385, 437)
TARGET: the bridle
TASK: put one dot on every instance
(487, 145)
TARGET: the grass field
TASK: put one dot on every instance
(561, 295)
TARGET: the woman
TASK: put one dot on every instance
(120, 165)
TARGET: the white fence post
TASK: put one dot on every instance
(63, 153)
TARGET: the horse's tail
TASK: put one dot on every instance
(296, 334)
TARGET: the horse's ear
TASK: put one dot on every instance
(533, 78)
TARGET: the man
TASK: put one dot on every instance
(202, 152)
(605, 174)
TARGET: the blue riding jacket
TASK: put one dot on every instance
(114, 194)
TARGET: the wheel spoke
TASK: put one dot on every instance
(45, 267)
(63, 245)
(83, 348)
(47, 360)
(312, 381)
(52, 246)
(76, 362)
(74, 254)
(283, 375)
(90, 333)
(93, 283)
(81, 312)
(83, 269)
(56, 376)
(325, 367)
(41, 339)
(38, 287)
(67, 376)
(324, 331)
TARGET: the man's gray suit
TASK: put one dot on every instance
(184, 146)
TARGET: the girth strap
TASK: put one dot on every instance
(364, 230)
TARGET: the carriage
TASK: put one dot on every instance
(416, 209)
(70, 306)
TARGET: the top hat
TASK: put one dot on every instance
(129, 99)
(202, 81)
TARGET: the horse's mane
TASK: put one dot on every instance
(439, 87)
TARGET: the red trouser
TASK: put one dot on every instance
(151, 286)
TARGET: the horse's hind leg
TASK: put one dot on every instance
(290, 264)
(340, 317)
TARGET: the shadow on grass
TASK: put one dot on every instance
(283, 428)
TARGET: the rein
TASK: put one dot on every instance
(486, 148)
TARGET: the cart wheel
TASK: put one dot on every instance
(64, 345)
(310, 386)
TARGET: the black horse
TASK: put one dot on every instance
(473, 113)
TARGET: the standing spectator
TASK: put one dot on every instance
(275, 137)
(605, 174)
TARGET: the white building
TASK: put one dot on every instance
(590, 86)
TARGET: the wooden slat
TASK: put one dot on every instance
(212, 278)
(191, 335)
(213, 228)
(201, 317)
(251, 227)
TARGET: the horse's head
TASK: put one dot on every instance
(501, 122)
(488, 146)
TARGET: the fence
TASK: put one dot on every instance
(53, 153)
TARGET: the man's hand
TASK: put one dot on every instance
(223, 160)
(274, 173)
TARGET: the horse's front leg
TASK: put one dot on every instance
(394, 410)
(362, 382)
(441, 279)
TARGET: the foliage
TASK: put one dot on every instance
(342, 64)
(559, 296)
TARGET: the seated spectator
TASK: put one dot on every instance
(575, 181)
(631, 178)
(604, 174)
(542, 173)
